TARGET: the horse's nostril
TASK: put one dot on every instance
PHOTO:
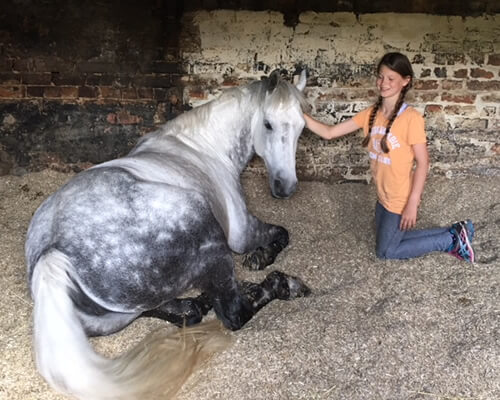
(280, 190)
(278, 186)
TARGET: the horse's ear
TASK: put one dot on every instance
(301, 84)
(273, 80)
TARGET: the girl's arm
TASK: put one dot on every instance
(409, 215)
(330, 131)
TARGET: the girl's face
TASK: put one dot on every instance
(390, 83)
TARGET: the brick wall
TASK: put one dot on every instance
(456, 62)
(80, 84)
(81, 81)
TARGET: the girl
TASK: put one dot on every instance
(395, 137)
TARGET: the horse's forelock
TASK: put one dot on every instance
(283, 94)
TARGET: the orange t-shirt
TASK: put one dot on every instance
(393, 171)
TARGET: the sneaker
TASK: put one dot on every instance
(468, 225)
(463, 233)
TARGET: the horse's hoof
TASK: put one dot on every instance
(286, 287)
(251, 261)
(297, 287)
(282, 237)
(259, 259)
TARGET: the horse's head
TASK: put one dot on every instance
(277, 129)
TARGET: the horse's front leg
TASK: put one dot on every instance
(276, 285)
(235, 303)
(266, 253)
(246, 233)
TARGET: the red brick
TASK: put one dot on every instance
(129, 93)
(63, 79)
(52, 91)
(123, 117)
(230, 81)
(484, 85)
(449, 84)
(460, 73)
(440, 72)
(34, 91)
(494, 59)
(459, 98)
(426, 96)
(481, 73)
(12, 92)
(69, 92)
(425, 73)
(433, 108)
(110, 92)
(100, 79)
(197, 94)
(425, 84)
(449, 58)
(87, 91)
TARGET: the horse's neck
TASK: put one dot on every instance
(225, 131)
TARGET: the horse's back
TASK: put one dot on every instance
(124, 234)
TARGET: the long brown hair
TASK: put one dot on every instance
(399, 63)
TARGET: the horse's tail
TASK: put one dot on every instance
(158, 366)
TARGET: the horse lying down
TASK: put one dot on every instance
(127, 238)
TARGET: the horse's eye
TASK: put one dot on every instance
(268, 125)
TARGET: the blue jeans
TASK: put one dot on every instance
(392, 242)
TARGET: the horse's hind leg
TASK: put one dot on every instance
(182, 312)
(106, 323)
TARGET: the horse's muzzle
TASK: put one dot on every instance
(282, 189)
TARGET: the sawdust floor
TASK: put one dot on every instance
(427, 328)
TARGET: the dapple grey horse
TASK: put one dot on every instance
(127, 238)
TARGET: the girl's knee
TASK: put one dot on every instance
(382, 256)
(381, 253)
(386, 254)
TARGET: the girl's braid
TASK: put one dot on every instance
(399, 103)
(373, 113)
